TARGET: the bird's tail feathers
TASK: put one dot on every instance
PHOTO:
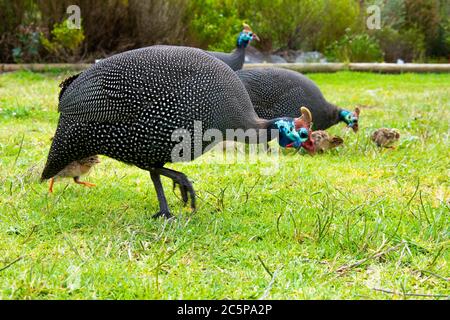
(67, 146)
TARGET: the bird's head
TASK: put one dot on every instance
(323, 141)
(288, 136)
(246, 36)
(350, 118)
(295, 133)
(89, 161)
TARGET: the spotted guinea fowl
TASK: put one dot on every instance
(277, 92)
(235, 60)
(75, 170)
(141, 108)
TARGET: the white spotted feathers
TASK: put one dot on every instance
(127, 106)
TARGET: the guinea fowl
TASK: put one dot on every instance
(277, 92)
(139, 107)
(236, 59)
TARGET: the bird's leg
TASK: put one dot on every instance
(163, 208)
(52, 181)
(84, 183)
(183, 182)
(183, 191)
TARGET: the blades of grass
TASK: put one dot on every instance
(264, 266)
(18, 153)
(379, 254)
(408, 294)
(11, 263)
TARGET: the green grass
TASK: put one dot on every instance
(296, 234)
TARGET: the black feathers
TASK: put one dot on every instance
(235, 60)
(63, 85)
(128, 106)
(277, 92)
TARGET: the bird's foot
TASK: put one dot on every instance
(183, 191)
(163, 213)
(86, 184)
(186, 190)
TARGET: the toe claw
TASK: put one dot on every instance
(165, 214)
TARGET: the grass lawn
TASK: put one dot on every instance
(343, 225)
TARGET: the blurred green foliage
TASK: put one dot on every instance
(281, 24)
(407, 44)
(65, 40)
(27, 46)
(355, 48)
(213, 24)
(412, 30)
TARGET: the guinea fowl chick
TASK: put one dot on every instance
(323, 141)
(385, 137)
(76, 169)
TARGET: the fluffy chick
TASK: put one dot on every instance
(323, 141)
(76, 169)
(385, 137)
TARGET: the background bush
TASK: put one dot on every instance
(212, 24)
(355, 48)
(65, 42)
(408, 44)
(412, 30)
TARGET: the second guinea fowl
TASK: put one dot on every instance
(75, 170)
(277, 92)
(323, 141)
(140, 108)
(235, 60)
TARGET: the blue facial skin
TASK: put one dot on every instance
(288, 134)
(244, 38)
(348, 118)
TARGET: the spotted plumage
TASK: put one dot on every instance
(128, 107)
(235, 60)
(323, 141)
(277, 92)
(385, 137)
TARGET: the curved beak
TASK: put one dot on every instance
(355, 123)
(354, 127)
(308, 145)
(255, 37)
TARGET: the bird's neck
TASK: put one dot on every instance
(239, 54)
(241, 44)
(270, 129)
(334, 116)
(343, 114)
